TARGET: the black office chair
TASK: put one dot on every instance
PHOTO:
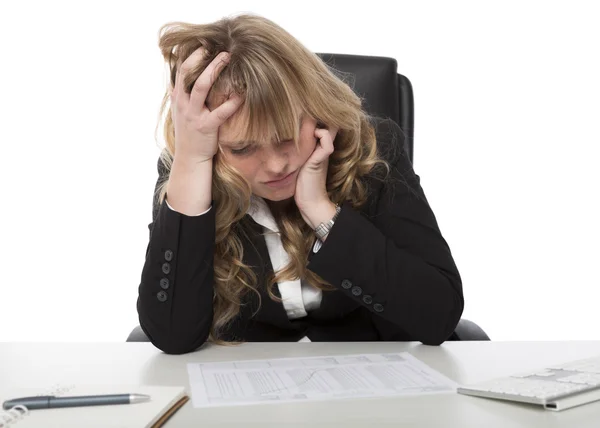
(386, 94)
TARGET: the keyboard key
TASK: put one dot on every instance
(584, 378)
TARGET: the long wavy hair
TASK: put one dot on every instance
(276, 75)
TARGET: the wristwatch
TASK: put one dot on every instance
(323, 229)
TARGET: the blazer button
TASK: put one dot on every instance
(378, 307)
(367, 299)
(168, 255)
(346, 284)
(356, 291)
(166, 268)
(164, 283)
(161, 296)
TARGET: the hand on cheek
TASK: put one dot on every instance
(311, 191)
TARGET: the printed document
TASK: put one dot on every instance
(313, 378)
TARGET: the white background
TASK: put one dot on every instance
(507, 102)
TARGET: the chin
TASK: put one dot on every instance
(278, 197)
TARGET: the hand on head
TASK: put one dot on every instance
(197, 127)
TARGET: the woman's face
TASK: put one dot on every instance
(270, 167)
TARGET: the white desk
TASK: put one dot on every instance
(44, 364)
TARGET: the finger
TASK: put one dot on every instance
(332, 131)
(325, 140)
(219, 115)
(183, 69)
(322, 150)
(207, 78)
(317, 159)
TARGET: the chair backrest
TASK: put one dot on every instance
(385, 92)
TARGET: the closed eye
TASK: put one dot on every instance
(250, 148)
(243, 151)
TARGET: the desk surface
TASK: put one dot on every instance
(42, 364)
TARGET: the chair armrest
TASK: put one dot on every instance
(468, 330)
(137, 335)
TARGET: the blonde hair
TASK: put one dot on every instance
(276, 75)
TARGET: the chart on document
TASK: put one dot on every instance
(313, 378)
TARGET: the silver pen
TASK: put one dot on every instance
(52, 402)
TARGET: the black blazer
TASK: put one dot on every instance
(394, 274)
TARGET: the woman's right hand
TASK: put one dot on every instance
(196, 127)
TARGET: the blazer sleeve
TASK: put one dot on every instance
(175, 296)
(395, 262)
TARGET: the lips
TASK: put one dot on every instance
(280, 179)
(284, 182)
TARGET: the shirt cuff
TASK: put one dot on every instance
(195, 215)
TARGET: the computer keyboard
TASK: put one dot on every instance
(557, 387)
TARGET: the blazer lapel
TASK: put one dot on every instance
(256, 255)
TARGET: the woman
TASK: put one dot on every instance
(283, 212)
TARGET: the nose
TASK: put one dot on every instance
(276, 163)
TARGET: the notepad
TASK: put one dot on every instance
(165, 401)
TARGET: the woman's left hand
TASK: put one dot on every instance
(311, 192)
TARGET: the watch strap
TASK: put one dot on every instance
(323, 229)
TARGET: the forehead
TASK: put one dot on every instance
(238, 131)
(233, 132)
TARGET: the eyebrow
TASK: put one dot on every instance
(237, 143)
